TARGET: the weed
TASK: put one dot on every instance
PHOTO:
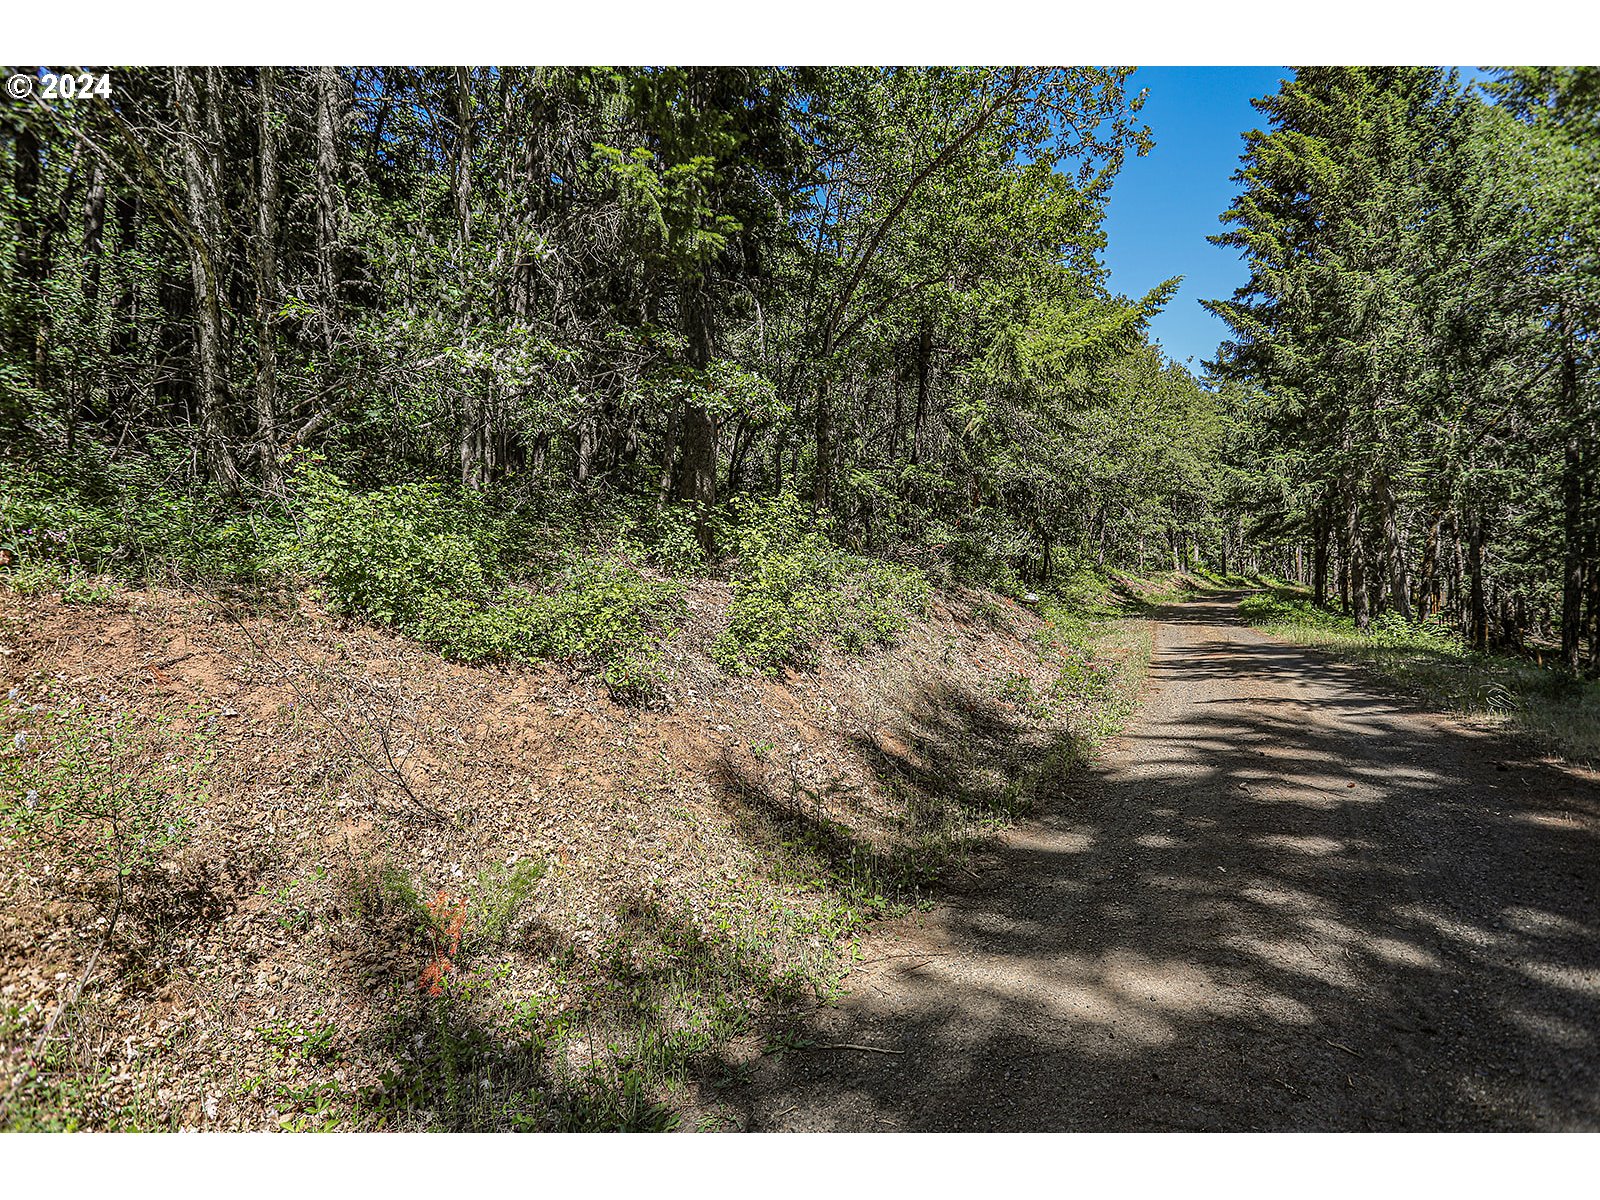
(795, 592)
(82, 589)
(446, 918)
(500, 893)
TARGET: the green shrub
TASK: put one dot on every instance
(83, 589)
(431, 565)
(32, 576)
(124, 518)
(499, 893)
(1389, 630)
(1271, 607)
(795, 591)
(99, 798)
(392, 553)
(668, 540)
(985, 553)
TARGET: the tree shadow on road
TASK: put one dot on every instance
(1303, 907)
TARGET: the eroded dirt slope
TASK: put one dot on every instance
(704, 863)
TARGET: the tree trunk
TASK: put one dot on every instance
(1358, 598)
(924, 353)
(1319, 559)
(697, 476)
(267, 191)
(25, 199)
(822, 486)
(330, 196)
(1393, 552)
(1594, 579)
(1572, 497)
(669, 459)
(1477, 608)
(898, 415)
(585, 446)
(94, 225)
(200, 118)
(25, 196)
(1428, 576)
(124, 312)
(472, 440)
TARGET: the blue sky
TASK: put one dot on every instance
(1164, 205)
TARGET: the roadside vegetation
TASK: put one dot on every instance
(1529, 693)
(481, 998)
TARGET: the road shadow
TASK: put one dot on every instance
(1280, 902)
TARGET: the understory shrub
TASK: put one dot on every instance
(126, 518)
(795, 591)
(391, 553)
(984, 553)
(1389, 630)
(432, 565)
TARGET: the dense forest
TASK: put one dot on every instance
(663, 300)
(1419, 330)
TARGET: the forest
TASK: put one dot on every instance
(654, 292)
(516, 571)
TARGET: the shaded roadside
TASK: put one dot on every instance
(1279, 901)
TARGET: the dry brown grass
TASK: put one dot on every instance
(706, 866)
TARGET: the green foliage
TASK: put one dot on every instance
(795, 591)
(667, 539)
(432, 564)
(100, 796)
(84, 589)
(1282, 607)
(392, 553)
(123, 517)
(985, 553)
(499, 892)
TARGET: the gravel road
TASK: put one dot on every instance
(1281, 900)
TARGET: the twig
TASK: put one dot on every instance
(393, 775)
(1342, 1046)
(163, 664)
(66, 1002)
(854, 1046)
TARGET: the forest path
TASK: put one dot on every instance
(1281, 900)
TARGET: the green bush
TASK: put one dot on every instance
(498, 895)
(98, 798)
(394, 553)
(1273, 607)
(668, 540)
(84, 589)
(124, 518)
(1387, 629)
(432, 565)
(985, 553)
(795, 591)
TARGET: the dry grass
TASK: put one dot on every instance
(702, 870)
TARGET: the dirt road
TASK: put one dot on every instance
(1280, 901)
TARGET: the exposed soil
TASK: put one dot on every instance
(714, 819)
(1282, 900)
